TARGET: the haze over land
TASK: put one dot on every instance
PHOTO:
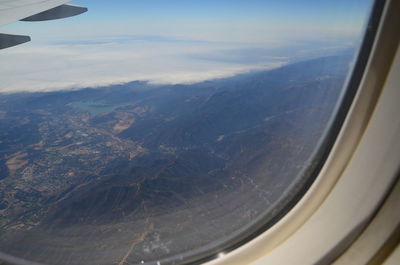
(136, 171)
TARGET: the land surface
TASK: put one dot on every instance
(139, 172)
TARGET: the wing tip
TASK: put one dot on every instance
(59, 12)
(8, 40)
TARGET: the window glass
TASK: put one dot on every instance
(164, 132)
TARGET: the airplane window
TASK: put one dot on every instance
(166, 132)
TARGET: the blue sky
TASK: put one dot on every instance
(241, 20)
(314, 10)
(123, 40)
(289, 12)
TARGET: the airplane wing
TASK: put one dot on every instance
(32, 10)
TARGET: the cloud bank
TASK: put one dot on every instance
(100, 62)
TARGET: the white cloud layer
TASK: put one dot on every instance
(79, 64)
(76, 65)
